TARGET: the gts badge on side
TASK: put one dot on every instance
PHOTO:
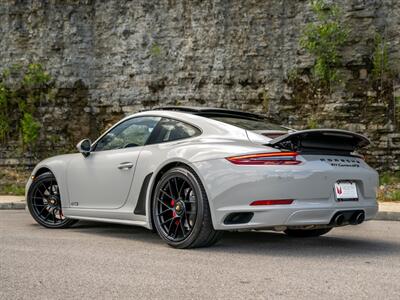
(74, 203)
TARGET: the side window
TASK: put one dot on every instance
(169, 130)
(131, 133)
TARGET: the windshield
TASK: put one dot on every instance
(248, 124)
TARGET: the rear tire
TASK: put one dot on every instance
(181, 212)
(307, 232)
(44, 202)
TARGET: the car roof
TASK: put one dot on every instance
(207, 111)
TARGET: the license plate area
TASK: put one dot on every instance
(346, 190)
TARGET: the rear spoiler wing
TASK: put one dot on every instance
(320, 141)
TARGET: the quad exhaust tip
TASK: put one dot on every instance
(353, 218)
(339, 219)
(358, 218)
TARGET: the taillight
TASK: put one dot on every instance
(274, 158)
(272, 202)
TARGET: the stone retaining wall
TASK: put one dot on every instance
(112, 58)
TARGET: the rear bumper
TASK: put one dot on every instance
(231, 189)
(289, 216)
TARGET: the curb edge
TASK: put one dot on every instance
(381, 216)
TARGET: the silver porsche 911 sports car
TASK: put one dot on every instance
(192, 173)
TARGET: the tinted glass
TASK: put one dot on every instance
(169, 130)
(131, 133)
(248, 124)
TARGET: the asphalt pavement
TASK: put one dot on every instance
(104, 261)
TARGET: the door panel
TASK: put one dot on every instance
(103, 179)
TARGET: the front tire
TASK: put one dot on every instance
(307, 232)
(44, 202)
(181, 212)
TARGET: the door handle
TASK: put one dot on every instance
(125, 165)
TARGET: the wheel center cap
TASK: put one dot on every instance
(53, 201)
(179, 207)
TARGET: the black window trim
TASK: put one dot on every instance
(177, 120)
(94, 144)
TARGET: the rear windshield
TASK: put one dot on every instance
(248, 124)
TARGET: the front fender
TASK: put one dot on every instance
(58, 166)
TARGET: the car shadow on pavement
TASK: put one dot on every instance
(278, 244)
(258, 242)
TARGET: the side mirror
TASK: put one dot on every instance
(84, 147)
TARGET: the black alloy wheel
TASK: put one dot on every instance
(44, 202)
(181, 212)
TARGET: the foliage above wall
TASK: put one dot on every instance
(324, 39)
(380, 58)
(23, 89)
